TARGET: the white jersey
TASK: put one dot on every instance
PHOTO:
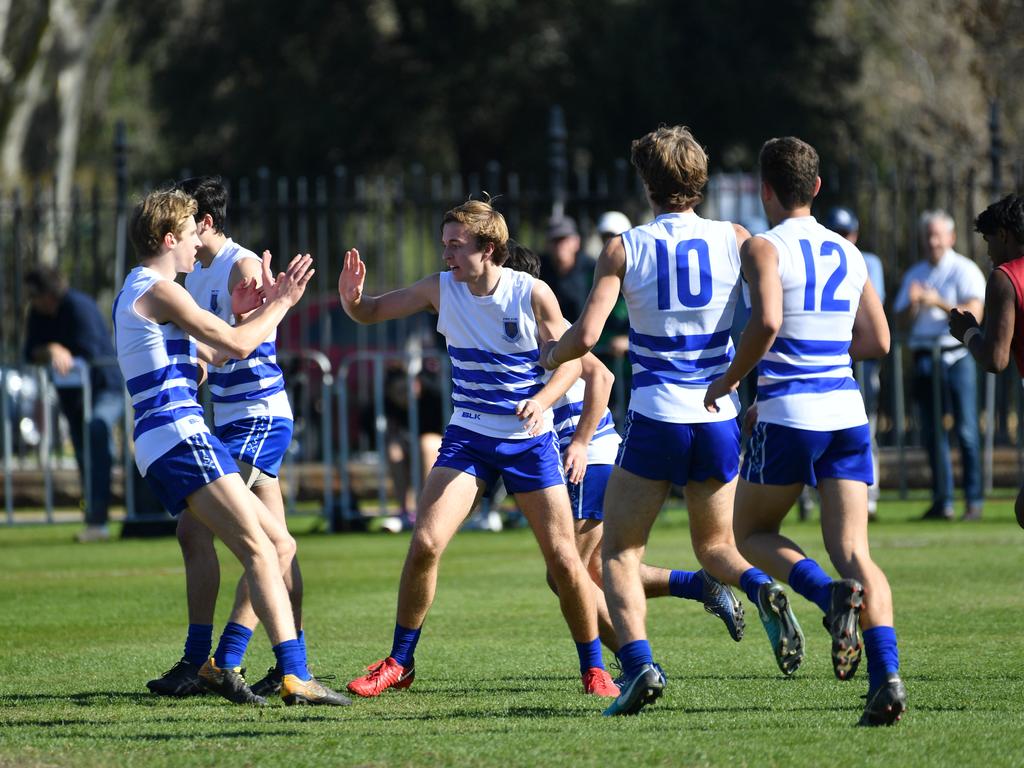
(806, 378)
(495, 352)
(239, 389)
(604, 445)
(681, 285)
(161, 371)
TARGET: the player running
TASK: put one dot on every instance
(679, 275)
(813, 311)
(494, 320)
(589, 444)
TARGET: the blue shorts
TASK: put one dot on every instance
(525, 465)
(662, 450)
(587, 498)
(778, 455)
(261, 441)
(190, 465)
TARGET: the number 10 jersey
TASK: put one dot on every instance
(681, 285)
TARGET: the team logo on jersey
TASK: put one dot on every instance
(510, 328)
(213, 301)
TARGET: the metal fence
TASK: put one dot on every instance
(395, 221)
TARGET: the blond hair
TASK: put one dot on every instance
(485, 224)
(162, 211)
(673, 165)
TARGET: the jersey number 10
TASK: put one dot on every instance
(682, 263)
(829, 302)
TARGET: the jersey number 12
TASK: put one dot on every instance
(829, 302)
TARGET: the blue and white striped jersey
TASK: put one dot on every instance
(806, 379)
(493, 344)
(681, 285)
(161, 371)
(604, 445)
(239, 389)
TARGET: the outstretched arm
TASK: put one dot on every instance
(584, 333)
(991, 346)
(167, 301)
(760, 264)
(421, 295)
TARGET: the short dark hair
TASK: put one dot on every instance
(1007, 214)
(211, 195)
(46, 280)
(522, 259)
(790, 167)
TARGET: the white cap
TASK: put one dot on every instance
(613, 223)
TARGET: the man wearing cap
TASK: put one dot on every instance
(569, 273)
(844, 222)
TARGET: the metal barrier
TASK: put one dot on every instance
(319, 359)
(377, 359)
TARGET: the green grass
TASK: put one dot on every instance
(86, 626)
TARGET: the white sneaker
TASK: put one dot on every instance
(93, 533)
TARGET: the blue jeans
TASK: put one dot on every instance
(959, 394)
(107, 410)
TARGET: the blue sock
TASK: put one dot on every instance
(808, 579)
(634, 655)
(590, 655)
(687, 584)
(883, 654)
(403, 647)
(291, 659)
(231, 648)
(198, 643)
(302, 643)
(751, 580)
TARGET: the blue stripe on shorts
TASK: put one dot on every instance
(261, 441)
(192, 464)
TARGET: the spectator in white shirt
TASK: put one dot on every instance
(944, 280)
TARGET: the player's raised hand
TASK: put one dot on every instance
(351, 279)
(532, 416)
(290, 284)
(575, 462)
(246, 296)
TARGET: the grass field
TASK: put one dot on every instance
(86, 626)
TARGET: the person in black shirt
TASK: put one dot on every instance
(64, 325)
(568, 271)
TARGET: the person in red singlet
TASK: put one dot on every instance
(1002, 225)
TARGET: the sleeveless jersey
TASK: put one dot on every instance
(806, 378)
(239, 389)
(1014, 269)
(681, 285)
(492, 341)
(160, 369)
(604, 445)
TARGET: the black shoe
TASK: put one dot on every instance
(783, 629)
(269, 685)
(843, 622)
(886, 704)
(180, 680)
(938, 512)
(228, 683)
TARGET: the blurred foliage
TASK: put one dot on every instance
(378, 85)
